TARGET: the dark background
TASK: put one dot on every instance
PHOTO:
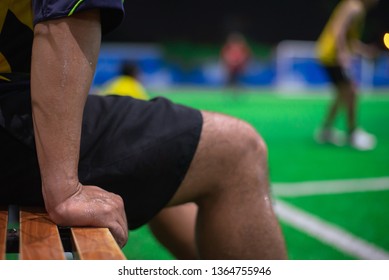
(208, 21)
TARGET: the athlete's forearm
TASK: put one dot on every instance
(63, 62)
(369, 51)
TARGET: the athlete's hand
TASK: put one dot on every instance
(93, 206)
(344, 59)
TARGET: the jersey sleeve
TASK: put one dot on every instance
(112, 11)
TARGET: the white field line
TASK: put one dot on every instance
(329, 233)
(330, 187)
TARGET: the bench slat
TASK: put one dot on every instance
(96, 244)
(3, 232)
(39, 237)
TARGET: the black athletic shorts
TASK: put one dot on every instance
(337, 74)
(140, 150)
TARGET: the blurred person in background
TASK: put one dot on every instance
(338, 42)
(126, 84)
(235, 55)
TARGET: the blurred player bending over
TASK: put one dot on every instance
(337, 43)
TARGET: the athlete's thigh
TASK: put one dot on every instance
(222, 141)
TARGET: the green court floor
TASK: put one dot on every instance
(339, 196)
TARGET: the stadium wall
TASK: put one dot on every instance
(292, 66)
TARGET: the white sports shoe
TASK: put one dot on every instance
(361, 140)
(330, 136)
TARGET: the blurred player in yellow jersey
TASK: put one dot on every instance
(126, 84)
(339, 40)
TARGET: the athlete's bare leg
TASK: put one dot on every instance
(174, 227)
(349, 94)
(333, 110)
(228, 180)
(345, 98)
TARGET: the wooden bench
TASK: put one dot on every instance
(38, 238)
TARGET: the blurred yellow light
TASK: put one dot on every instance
(386, 40)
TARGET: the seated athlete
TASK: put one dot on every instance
(116, 161)
(125, 84)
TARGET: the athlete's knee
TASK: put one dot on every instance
(250, 145)
(239, 160)
(241, 146)
(249, 165)
(230, 154)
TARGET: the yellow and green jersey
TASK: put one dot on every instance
(16, 23)
(17, 18)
